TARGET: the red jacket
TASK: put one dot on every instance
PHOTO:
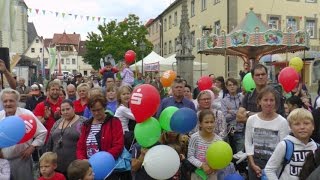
(111, 138)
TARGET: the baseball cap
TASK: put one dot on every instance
(35, 89)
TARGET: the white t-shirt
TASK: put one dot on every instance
(124, 114)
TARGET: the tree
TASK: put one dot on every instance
(116, 39)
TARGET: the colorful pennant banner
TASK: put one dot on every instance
(63, 14)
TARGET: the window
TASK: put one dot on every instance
(170, 22)
(73, 61)
(311, 27)
(40, 50)
(292, 22)
(165, 25)
(32, 50)
(175, 45)
(175, 18)
(85, 73)
(37, 40)
(192, 8)
(217, 28)
(216, 1)
(68, 61)
(170, 47)
(62, 61)
(193, 39)
(274, 22)
(157, 26)
(165, 49)
(203, 5)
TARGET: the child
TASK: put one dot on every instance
(80, 170)
(4, 169)
(108, 73)
(126, 75)
(302, 125)
(48, 164)
(199, 142)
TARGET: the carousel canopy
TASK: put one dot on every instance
(252, 39)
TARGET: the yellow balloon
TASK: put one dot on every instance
(296, 63)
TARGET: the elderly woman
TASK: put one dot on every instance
(19, 155)
(205, 102)
(102, 132)
(81, 103)
(64, 136)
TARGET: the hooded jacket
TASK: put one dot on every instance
(293, 168)
(232, 103)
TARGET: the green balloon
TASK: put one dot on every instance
(201, 174)
(148, 132)
(219, 155)
(248, 83)
(165, 117)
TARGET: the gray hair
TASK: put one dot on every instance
(10, 91)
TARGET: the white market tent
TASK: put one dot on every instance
(169, 63)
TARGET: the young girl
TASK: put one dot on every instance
(126, 75)
(199, 142)
(111, 94)
(125, 115)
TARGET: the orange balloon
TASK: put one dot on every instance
(167, 78)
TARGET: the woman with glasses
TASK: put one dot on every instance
(102, 132)
(64, 136)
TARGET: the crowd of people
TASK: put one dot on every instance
(91, 115)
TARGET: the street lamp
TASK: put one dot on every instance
(142, 48)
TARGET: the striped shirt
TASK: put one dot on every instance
(198, 147)
(92, 143)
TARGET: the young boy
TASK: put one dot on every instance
(80, 170)
(48, 164)
(302, 125)
(108, 73)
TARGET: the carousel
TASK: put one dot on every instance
(252, 39)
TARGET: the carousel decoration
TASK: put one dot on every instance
(252, 39)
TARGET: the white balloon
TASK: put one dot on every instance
(161, 162)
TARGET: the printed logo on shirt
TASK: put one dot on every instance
(298, 157)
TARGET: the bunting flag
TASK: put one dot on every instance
(63, 14)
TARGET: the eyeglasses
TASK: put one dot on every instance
(205, 99)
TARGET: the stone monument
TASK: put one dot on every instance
(184, 47)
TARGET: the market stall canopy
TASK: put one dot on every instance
(252, 39)
(153, 57)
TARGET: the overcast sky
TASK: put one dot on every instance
(47, 24)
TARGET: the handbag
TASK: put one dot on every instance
(123, 163)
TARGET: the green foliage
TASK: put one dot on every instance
(116, 39)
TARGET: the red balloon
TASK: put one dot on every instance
(204, 83)
(130, 56)
(144, 102)
(31, 127)
(288, 78)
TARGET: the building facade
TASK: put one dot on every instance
(218, 15)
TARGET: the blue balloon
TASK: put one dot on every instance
(183, 120)
(102, 164)
(12, 130)
(234, 176)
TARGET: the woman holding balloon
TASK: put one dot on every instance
(24, 134)
(64, 136)
(102, 132)
(264, 131)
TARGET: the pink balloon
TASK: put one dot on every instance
(288, 78)
(204, 83)
(144, 102)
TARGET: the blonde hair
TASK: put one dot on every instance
(49, 157)
(121, 90)
(299, 114)
(95, 91)
(83, 85)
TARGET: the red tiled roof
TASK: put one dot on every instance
(64, 38)
(149, 23)
(47, 42)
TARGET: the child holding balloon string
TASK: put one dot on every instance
(199, 143)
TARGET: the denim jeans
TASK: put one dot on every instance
(237, 142)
